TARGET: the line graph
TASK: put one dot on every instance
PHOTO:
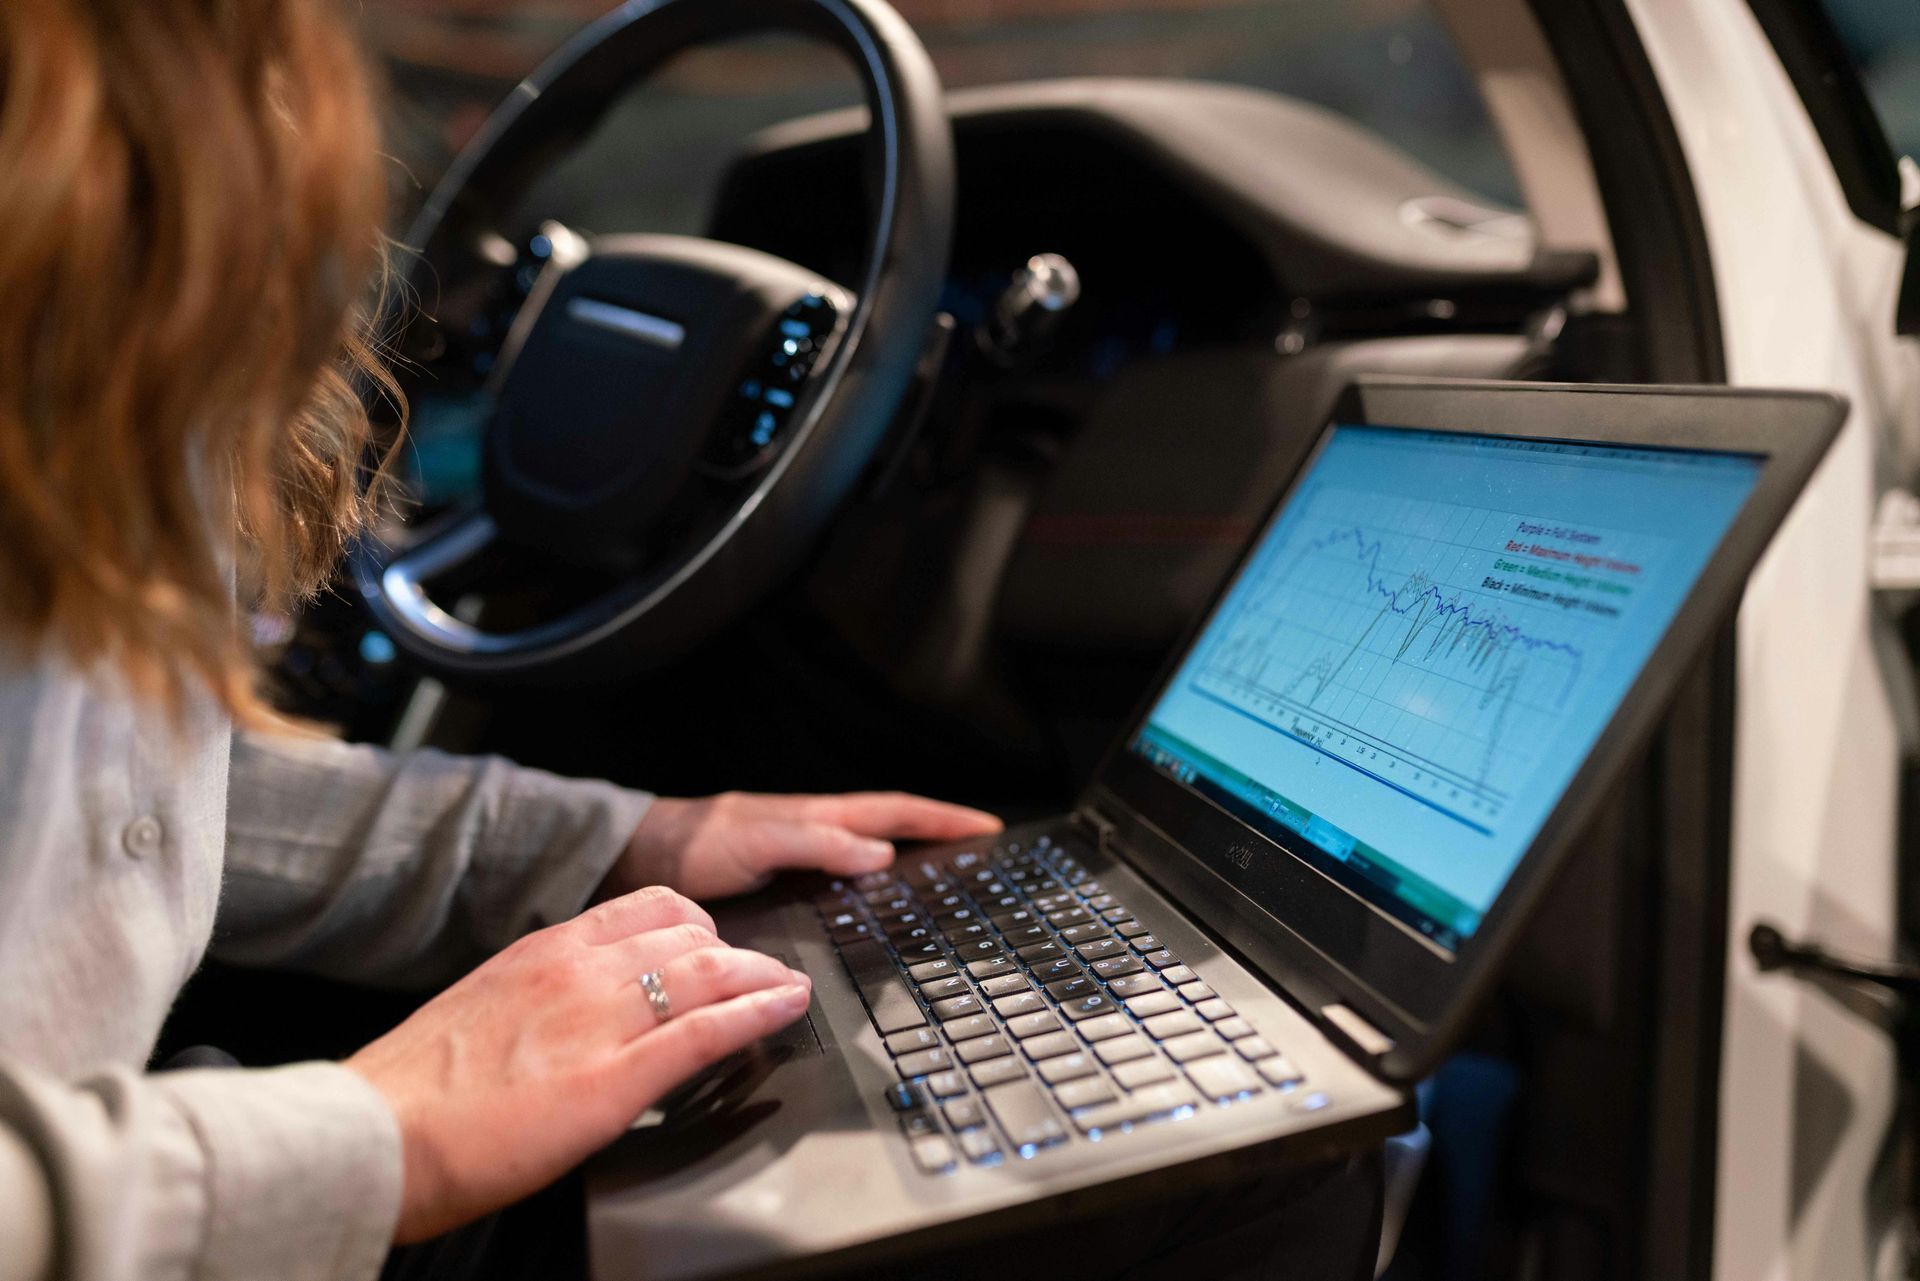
(1432, 646)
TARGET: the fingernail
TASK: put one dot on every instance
(800, 978)
(794, 997)
(879, 853)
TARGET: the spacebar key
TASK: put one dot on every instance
(1023, 1113)
(881, 987)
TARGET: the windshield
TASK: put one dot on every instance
(1384, 63)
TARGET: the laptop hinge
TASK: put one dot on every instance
(1098, 826)
(1359, 1034)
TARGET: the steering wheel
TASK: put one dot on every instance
(675, 420)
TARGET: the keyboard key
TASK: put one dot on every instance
(933, 1154)
(1067, 1067)
(1115, 915)
(994, 1071)
(978, 950)
(1006, 984)
(1022, 937)
(1035, 1024)
(1065, 917)
(1123, 1049)
(1041, 953)
(1023, 1112)
(958, 934)
(979, 1145)
(1106, 1026)
(928, 971)
(1085, 933)
(1135, 984)
(1214, 1010)
(1116, 967)
(964, 1114)
(941, 989)
(921, 1062)
(1060, 967)
(945, 1085)
(919, 945)
(1068, 989)
(841, 920)
(1195, 992)
(1178, 974)
(1053, 902)
(1161, 960)
(1050, 1045)
(1138, 1072)
(1101, 902)
(1085, 1093)
(1016, 918)
(888, 998)
(1149, 1104)
(945, 903)
(1223, 1078)
(1098, 948)
(906, 1097)
(980, 1049)
(971, 1026)
(1129, 929)
(1252, 1048)
(1280, 1071)
(1144, 943)
(1194, 1045)
(850, 933)
(957, 1007)
(1145, 1007)
(916, 1124)
(991, 969)
(1172, 1023)
(1087, 1007)
(919, 1038)
(1012, 1007)
(1234, 1028)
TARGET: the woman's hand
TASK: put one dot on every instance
(550, 1050)
(734, 843)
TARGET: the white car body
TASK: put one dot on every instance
(1806, 293)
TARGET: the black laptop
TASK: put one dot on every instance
(1292, 880)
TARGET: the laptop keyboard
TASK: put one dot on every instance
(1025, 1006)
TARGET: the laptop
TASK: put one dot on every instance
(1286, 890)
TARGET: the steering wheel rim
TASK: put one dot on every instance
(850, 397)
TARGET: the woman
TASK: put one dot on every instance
(189, 204)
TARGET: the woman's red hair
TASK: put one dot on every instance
(190, 204)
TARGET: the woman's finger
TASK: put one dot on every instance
(689, 1042)
(703, 976)
(653, 908)
(759, 849)
(901, 816)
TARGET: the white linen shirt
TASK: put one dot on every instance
(128, 845)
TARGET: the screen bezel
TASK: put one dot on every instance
(1333, 946)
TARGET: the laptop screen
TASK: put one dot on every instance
(1424, 645)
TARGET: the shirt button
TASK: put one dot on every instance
(142, 836)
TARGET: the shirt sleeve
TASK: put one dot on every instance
(221, 1175)
(403, 869)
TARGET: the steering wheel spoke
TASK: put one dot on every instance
(654, 385)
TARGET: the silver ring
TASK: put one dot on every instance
(657, 995)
